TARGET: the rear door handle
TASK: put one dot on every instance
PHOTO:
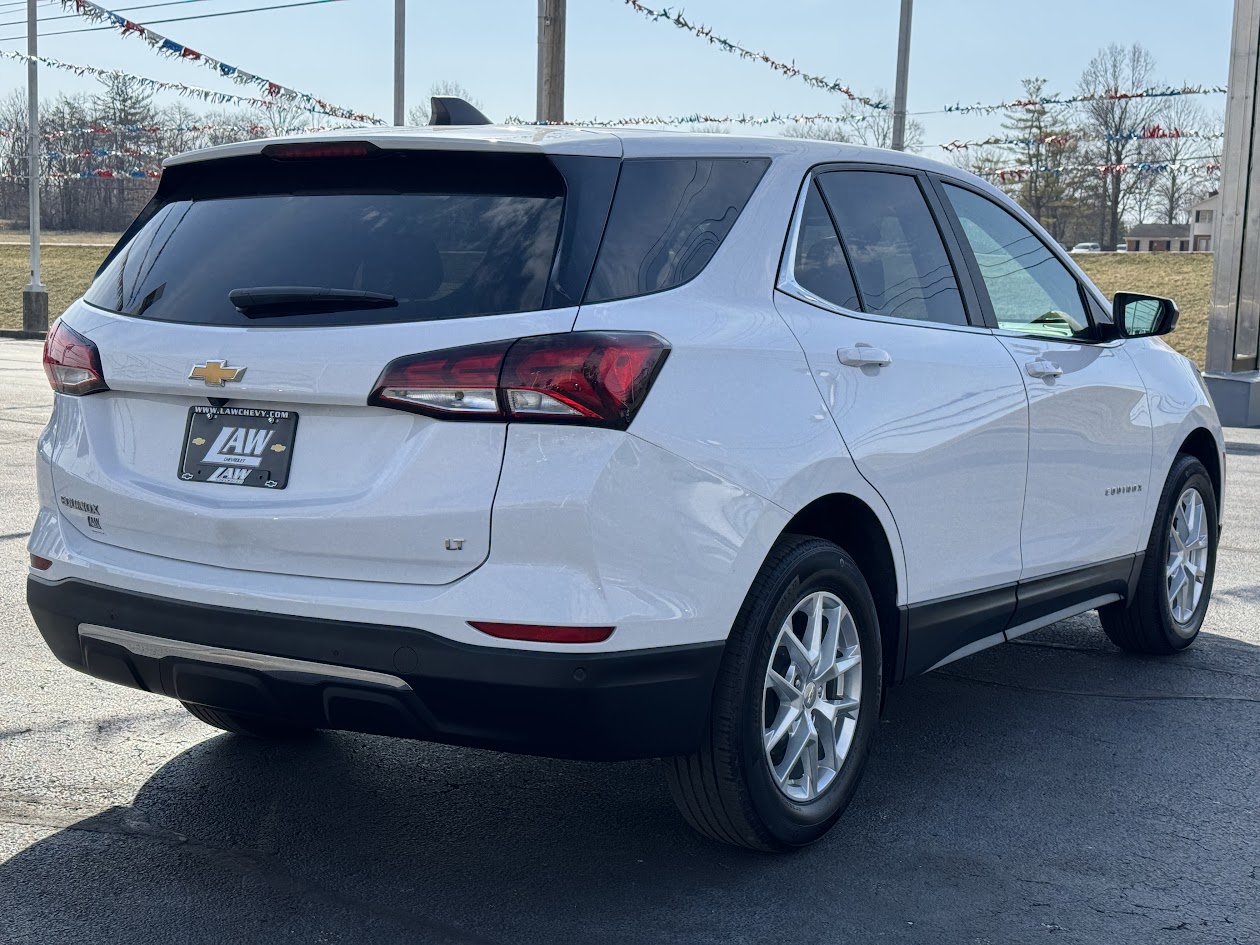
(863, 355)
(1040, 367)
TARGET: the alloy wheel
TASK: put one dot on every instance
(1188, 546)
(812, 695)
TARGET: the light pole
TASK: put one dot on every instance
(551, 16)
(34, 293)
(903, 75)
(400, 50)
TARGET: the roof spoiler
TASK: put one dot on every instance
(448, 110)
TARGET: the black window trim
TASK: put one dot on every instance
(1089, 303)
(787, 284)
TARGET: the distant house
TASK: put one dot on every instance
(1203, 222)
(1159, 238)
(1197, 236)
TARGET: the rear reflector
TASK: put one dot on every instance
(72, 363)
(40, 564)
(539, 634)
(319, 149)
(593, 378)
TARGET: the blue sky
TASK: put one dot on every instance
(620, 64)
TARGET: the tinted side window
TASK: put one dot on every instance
(1031, 291)
(897, 252)
(819, 265)
(668, 218)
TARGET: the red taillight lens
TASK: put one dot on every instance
(456, 383)
(539, 634)
(594, 378)
(582, 377)
(72, 363)
(40, 563)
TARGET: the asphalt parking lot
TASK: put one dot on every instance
(1053, 789)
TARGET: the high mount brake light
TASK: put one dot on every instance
(591, 378)
(302, 150)
(72, 363)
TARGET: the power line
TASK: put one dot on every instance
(180, 19)
(75, 16)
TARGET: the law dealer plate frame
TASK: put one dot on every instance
(226, 448)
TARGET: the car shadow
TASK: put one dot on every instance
(1052, 785)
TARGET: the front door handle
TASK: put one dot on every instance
(1040, 367)
(863, 355)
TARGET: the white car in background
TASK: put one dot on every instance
(605, 445)
(1087, 248)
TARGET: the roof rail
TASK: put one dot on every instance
(448, 110)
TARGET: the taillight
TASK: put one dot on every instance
(594, 378)
(72, 363)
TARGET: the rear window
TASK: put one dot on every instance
(668, 219)
(448, 235)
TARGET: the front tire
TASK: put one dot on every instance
(1175, 585)
(795, 705)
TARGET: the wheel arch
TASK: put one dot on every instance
(1202, 445)
(851, 523)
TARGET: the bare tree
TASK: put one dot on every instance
(1108, 118)
(818, 131)
(861, 125)
(1185, 178)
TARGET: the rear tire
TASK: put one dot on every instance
(735, 789)
(1160, 619)
(251, 726)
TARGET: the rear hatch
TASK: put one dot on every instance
(243, 323)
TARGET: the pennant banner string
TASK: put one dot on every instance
(253, 130)
(168, 47)
(190, 91)
(1209, 163)
(1153, 133)
(702, 119)
(106, 173)
(1115, 95)
(784, 68)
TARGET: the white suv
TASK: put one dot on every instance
(605, 445)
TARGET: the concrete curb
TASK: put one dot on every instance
(20, 335)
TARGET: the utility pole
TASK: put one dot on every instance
(400, 60)
(903, 75)
(34, 293)
(551, 15)
(1233, 361)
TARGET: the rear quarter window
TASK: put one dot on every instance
(668, 218)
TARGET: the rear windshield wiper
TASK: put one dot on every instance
(273, 300)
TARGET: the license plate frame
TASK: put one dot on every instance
(238, 446)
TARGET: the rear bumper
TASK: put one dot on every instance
(384, 680)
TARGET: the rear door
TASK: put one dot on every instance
(1090, 430)
(931, 407)
(238, 435)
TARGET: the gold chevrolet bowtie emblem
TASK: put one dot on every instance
(214, 373)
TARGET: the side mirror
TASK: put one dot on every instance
(1141, 316)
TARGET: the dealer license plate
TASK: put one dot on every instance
(238, 446)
